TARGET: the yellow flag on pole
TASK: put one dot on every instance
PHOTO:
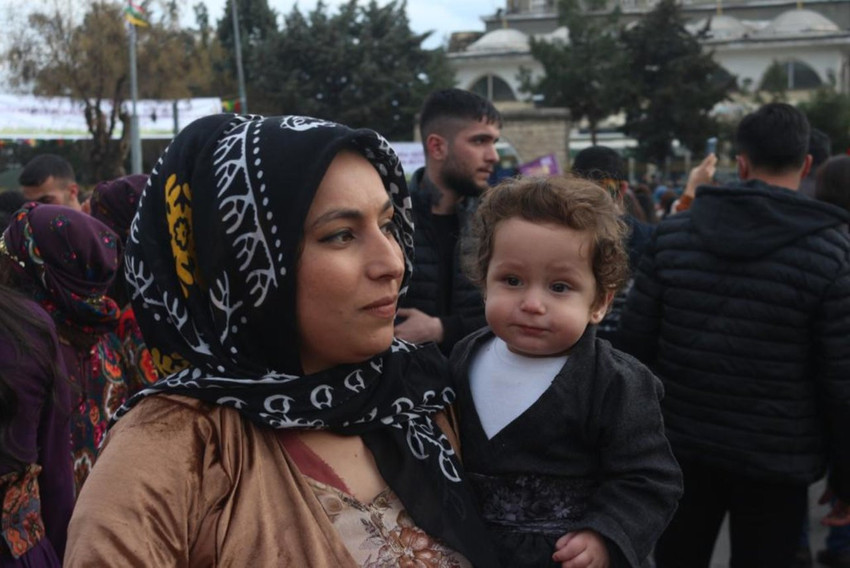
(135, 14)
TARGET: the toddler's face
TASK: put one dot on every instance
(540, 287)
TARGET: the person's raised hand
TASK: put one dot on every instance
(581, 549)
(418, 327)
(701, 174)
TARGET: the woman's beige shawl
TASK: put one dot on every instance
(183, 483)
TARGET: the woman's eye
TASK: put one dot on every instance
(339, 237)
(390, 229)
(560, 287)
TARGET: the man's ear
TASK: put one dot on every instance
(601, 308)
(743, 166)
(73, 192)
(437, 146)
(807, 166)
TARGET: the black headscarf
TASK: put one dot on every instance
(211, 265)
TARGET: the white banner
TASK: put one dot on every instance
(29, 116)
(411, 155)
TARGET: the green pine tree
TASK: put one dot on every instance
(673, 85)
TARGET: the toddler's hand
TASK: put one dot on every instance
(582, 549)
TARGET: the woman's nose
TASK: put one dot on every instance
(386, 259)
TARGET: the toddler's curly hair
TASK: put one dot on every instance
(569, 201)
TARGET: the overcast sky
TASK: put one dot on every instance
(442, 16)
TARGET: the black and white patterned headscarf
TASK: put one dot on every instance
(211, 265)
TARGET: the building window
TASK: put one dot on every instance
(493, 88)
(790, 75)
(802, 76)
(540, 6)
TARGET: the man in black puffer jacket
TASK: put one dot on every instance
(741, 305)
(459, 131)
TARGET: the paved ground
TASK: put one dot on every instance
(817, 534)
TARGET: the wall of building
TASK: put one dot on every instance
(536, 132)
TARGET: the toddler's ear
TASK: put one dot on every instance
(601, 307)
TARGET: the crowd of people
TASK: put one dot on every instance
(278, 350)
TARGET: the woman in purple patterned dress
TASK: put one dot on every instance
(36, 485)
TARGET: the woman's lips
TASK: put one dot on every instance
(383, 308)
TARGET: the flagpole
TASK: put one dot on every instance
(135, 140)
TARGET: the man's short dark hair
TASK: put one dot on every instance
(774, 138)
(42, 167)
(443, 106)
(598, 163)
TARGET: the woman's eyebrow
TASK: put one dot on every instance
(353, 214)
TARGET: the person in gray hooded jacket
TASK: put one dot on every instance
(741, 306)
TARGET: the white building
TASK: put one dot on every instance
(746, 37)
(813, 49)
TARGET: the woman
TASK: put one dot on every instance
(36, 485)
(66, 261)
(114, 203)
(290, 428)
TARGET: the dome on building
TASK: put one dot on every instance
(500, 40)
(561, 34)
(800, 21)
(721, 27)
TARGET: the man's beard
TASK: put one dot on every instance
(463, 185)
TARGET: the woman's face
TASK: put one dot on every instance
(350, 269)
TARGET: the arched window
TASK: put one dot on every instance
(493, 88)
(790, 75)
(802, 76)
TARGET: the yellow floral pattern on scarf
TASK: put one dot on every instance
(167, 364)
(178, 200)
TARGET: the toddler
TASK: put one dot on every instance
(562, 434)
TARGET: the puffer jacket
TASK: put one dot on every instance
(741, 305)
(466, 310)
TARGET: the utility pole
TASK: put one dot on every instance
(243, 98)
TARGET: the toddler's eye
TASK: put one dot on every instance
(512, 281)
(560, 287)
